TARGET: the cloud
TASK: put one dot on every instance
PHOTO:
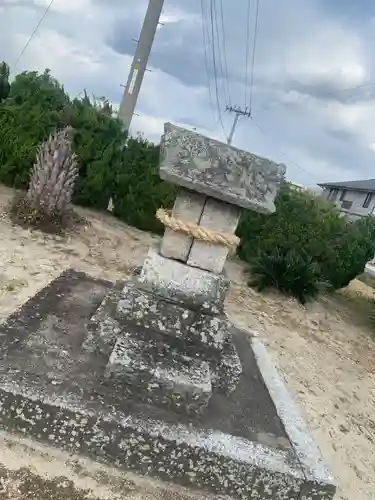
(308, 54)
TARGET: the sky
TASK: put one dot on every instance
(308, 54)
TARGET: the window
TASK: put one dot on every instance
(367, 201)
(346, 205)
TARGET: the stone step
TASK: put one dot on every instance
(147, 310)
(155, 373)
(156, 321)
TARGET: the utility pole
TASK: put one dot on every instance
(139, 65)
(239, 112)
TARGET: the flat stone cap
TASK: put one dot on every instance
(219, 170)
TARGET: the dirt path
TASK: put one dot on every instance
(327, 354)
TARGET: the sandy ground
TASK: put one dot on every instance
(325, 351)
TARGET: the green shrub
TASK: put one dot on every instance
(98, 142)
(292, 273)
(36, 106)
(32, 110)
(305, 223)
(345, 254)
(301, 220)
(109, 165)
(138, 190)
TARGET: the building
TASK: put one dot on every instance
(354, 199)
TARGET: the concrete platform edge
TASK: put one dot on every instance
(149, 446)
(306, 449)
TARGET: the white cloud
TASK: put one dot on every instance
(302, 51)
(331, 53)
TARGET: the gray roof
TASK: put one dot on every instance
(366, 185)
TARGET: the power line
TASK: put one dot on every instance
(33, 33)
(247, 48)
(219, 52)
(290, 160)
(214, 65)
(253, 55)
(225, 51)
(206, 41)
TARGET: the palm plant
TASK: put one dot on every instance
(54, 174)
(46, 205)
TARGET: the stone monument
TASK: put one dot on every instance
(175, 343)
(160, 380)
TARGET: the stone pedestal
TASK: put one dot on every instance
(170, 349)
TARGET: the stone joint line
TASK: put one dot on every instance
(198, 232)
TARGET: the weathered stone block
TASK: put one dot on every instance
(228, 370)
(158, 375)
(219, 216)
(219, 170)
(188, 207)
(210, 331)
(153, 312)
(149, 311)
(183, 284)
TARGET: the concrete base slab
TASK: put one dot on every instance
(160, 375)
(251, 444)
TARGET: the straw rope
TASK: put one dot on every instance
(198, 232)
